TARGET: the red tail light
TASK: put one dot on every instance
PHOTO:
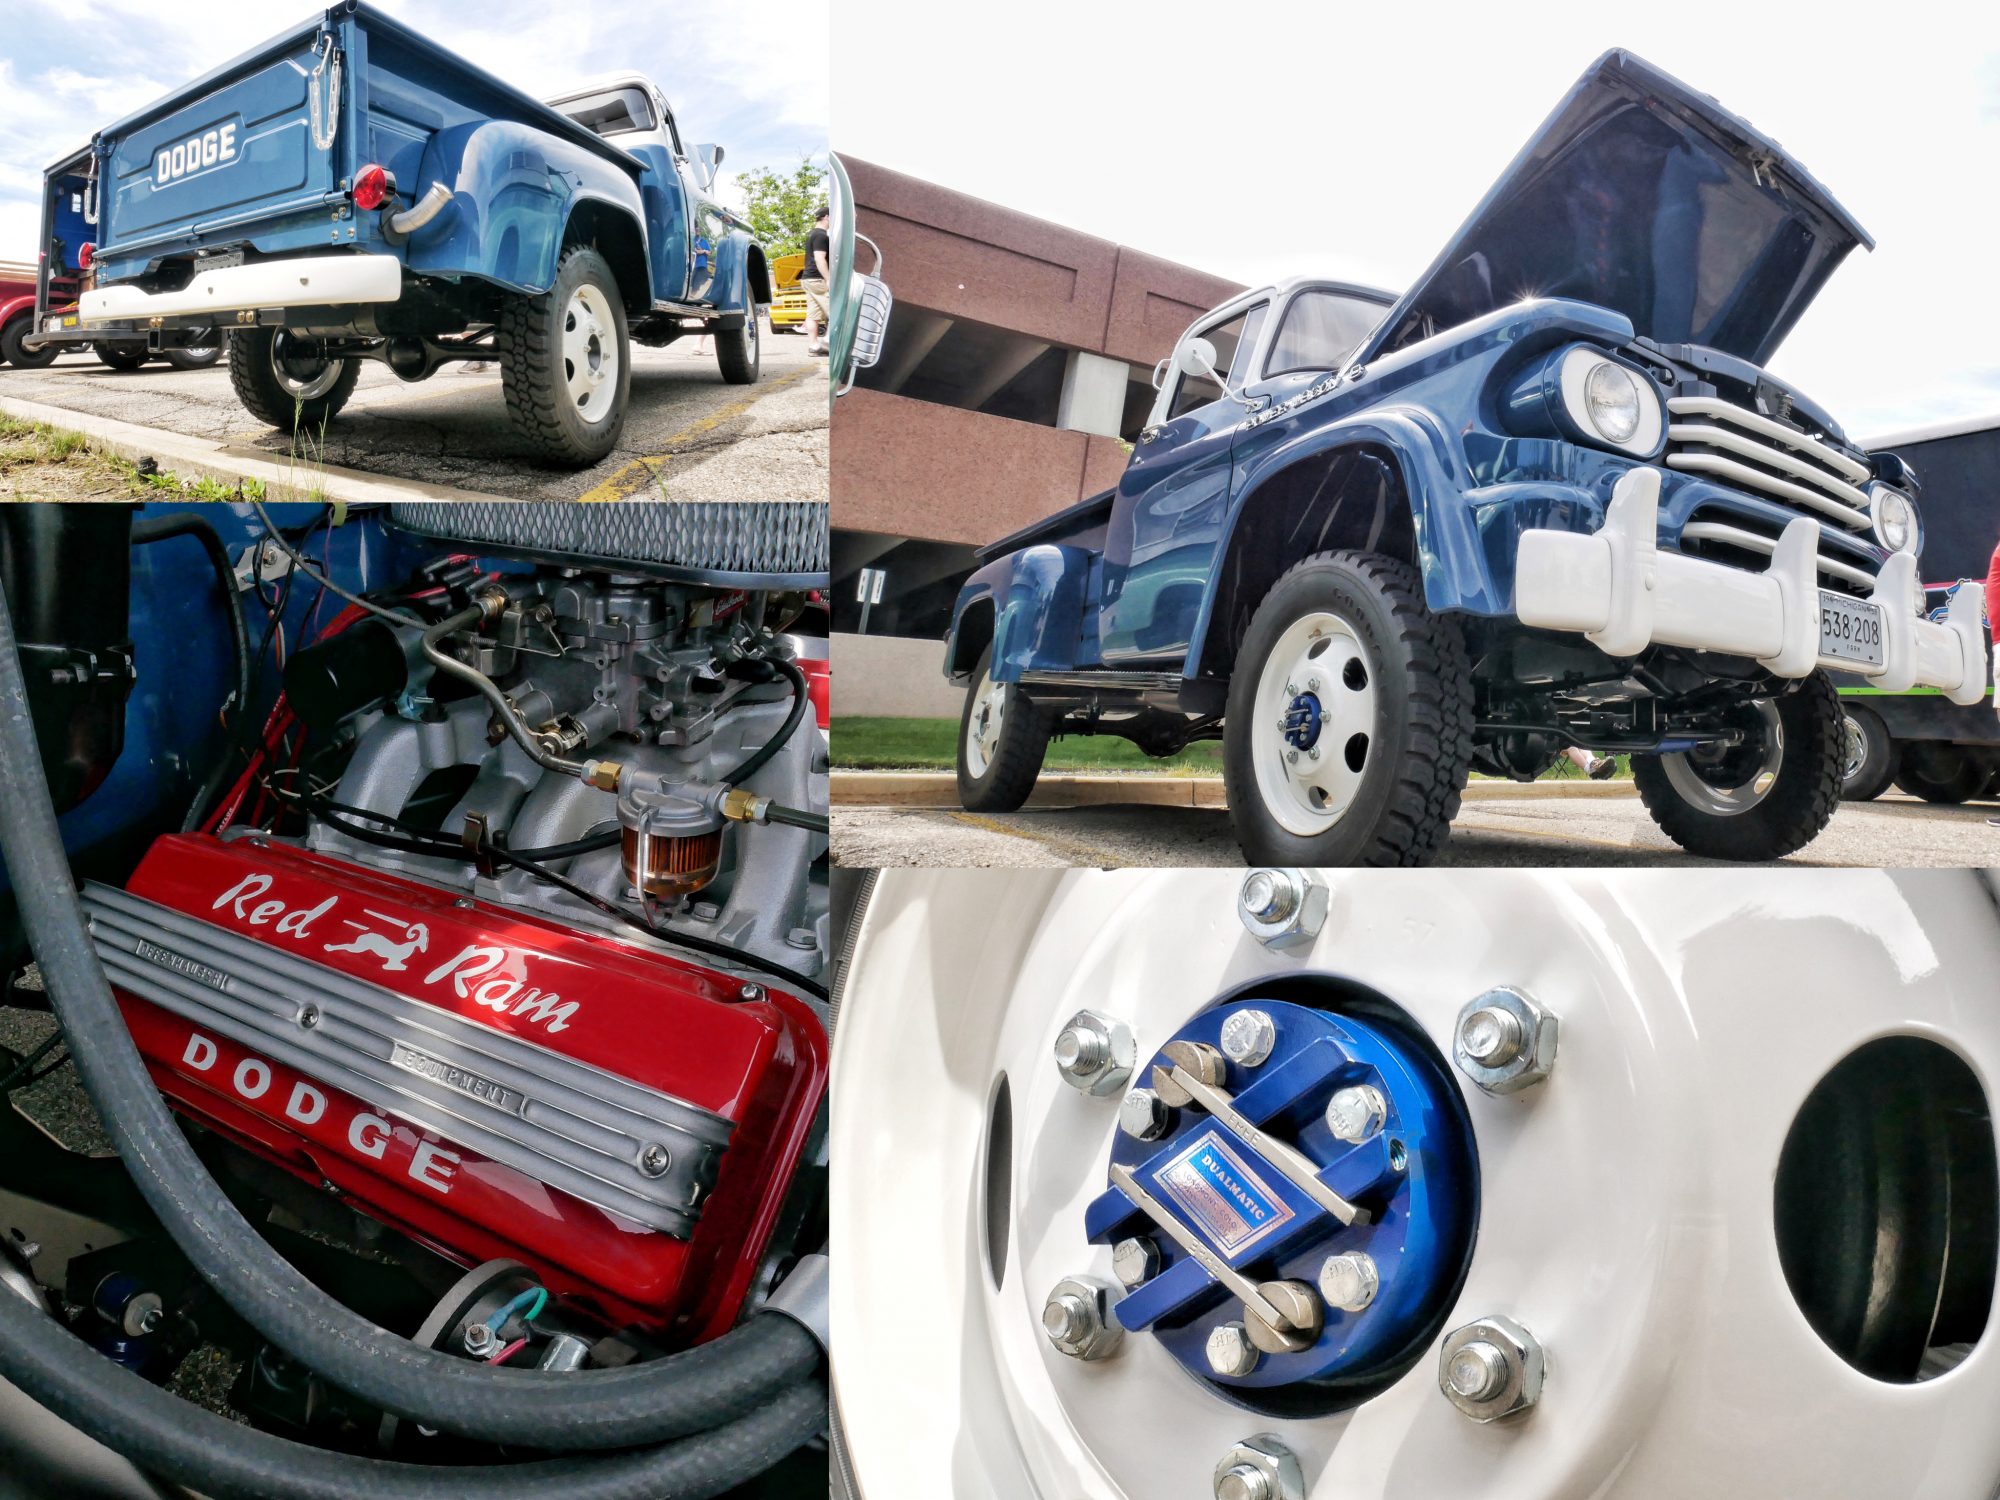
(373, 187)
(85, 256)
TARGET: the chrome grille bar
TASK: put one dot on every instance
(1736, 536)
(1777, 432)
(1753, 479)
(1743, 448)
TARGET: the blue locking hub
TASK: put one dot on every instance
(1262, 1192)
(1303, 721)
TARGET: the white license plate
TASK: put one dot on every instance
(1850, 629)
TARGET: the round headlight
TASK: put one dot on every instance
(1895, 518)
(1611, 397)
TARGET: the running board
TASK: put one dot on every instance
(1127, 682)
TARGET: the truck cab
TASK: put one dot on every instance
(352, 191)
(1549, 496)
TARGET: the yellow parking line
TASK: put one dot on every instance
(640, 474)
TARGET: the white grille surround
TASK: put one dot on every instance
(1715, 438)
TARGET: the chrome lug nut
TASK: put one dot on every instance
(1077, 1319)
(1144, 1115)
(1283, 907)
(1135, 1262)
(1505, 1041)
(1491, 1369)
(1096, 1054)
(1230, 1351)
(1260, 1468)
(1349, 1281)
(1248, 1037)
(1356, 1113)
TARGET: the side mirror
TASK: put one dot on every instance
(1197, 357)
(708, 159)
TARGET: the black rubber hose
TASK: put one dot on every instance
(797, 817)
(193, 1446)
(651, 1402)
(801, 701)
(198, 527)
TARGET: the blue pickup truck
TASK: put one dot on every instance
(350, 190)
(1549, 496)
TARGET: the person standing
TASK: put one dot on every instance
(815, 279)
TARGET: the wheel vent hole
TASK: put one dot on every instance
(999, 1180)
(1355, 751)
(1888, 1209)
(1354, 674)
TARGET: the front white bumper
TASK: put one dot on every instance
(1621, 591)
(302, 281)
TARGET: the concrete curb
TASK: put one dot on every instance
(939, 789)
(195, 457)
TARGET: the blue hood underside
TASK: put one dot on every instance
(1644, 197)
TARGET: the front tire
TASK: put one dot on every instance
(1761, 799)
(566, 362)
(287, 381)
(1348, 736)
(122, 357)
(15, 355)
(1869, 757)
(739, 352)
(1002, 738)
(1944, 773)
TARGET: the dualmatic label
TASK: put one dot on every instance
(1217, 1189)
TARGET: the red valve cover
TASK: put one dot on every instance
(663, 1023)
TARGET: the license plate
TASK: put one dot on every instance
(1850, 629)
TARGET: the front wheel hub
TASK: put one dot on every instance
(1309, 1216)
(1302, 722)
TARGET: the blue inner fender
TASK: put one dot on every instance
(1416, 1176)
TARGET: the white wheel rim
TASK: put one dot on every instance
(982, 725)
(290, 370)
(590, 354)
(1690, 778)
(1315, 724)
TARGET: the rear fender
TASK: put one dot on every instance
(1037, 597)
(514, 190)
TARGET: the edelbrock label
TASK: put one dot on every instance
(182, 965)
(1219, 1191)
(410, 1060)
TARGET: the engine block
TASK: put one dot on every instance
(487, 1081)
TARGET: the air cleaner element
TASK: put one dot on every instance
(1316, 1206)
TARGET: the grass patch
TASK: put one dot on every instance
(41, 462)
(871, 744)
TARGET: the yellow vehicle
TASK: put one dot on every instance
(788, 302)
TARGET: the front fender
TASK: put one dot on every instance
(514, 189)
(14, 307)
(1037, 597)
(742, 279)
(1434, 475)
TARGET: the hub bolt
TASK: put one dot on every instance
(1355, 1113)
(1280, 907)
(1077, 1318)
(1230, 1351)
(1259, 1468)
(1135, 1261)
(1491, 1369)
(1096, 1054)
(1144, 1115)
(1349, 1281)
(1248, 1037)
(1269, 895)
(1478, 1372)
(1505, 1041)
(1491, 1036)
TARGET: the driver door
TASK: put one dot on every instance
(1173, 501)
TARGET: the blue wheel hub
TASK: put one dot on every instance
(1302, 722)
(1321, 1164)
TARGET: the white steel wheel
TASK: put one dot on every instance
(590, 353)
(1316, 723)
(1626, 1214)
(984, 723)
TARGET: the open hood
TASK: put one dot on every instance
(1647, 198)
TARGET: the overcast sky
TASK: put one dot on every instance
(752, 77)
(1276, 139)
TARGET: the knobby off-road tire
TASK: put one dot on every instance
(1869, 758)
(1002, 737)
(285, 382)
(1391, 716)
(566, 362)
(739, 353)
(1945, 773)
(15, 355)
(1692, 802)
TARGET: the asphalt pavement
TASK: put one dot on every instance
(687, 435)
(1529, 829)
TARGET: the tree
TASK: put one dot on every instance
(780, 207)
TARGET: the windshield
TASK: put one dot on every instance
(1320, 329)
(614, 112)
